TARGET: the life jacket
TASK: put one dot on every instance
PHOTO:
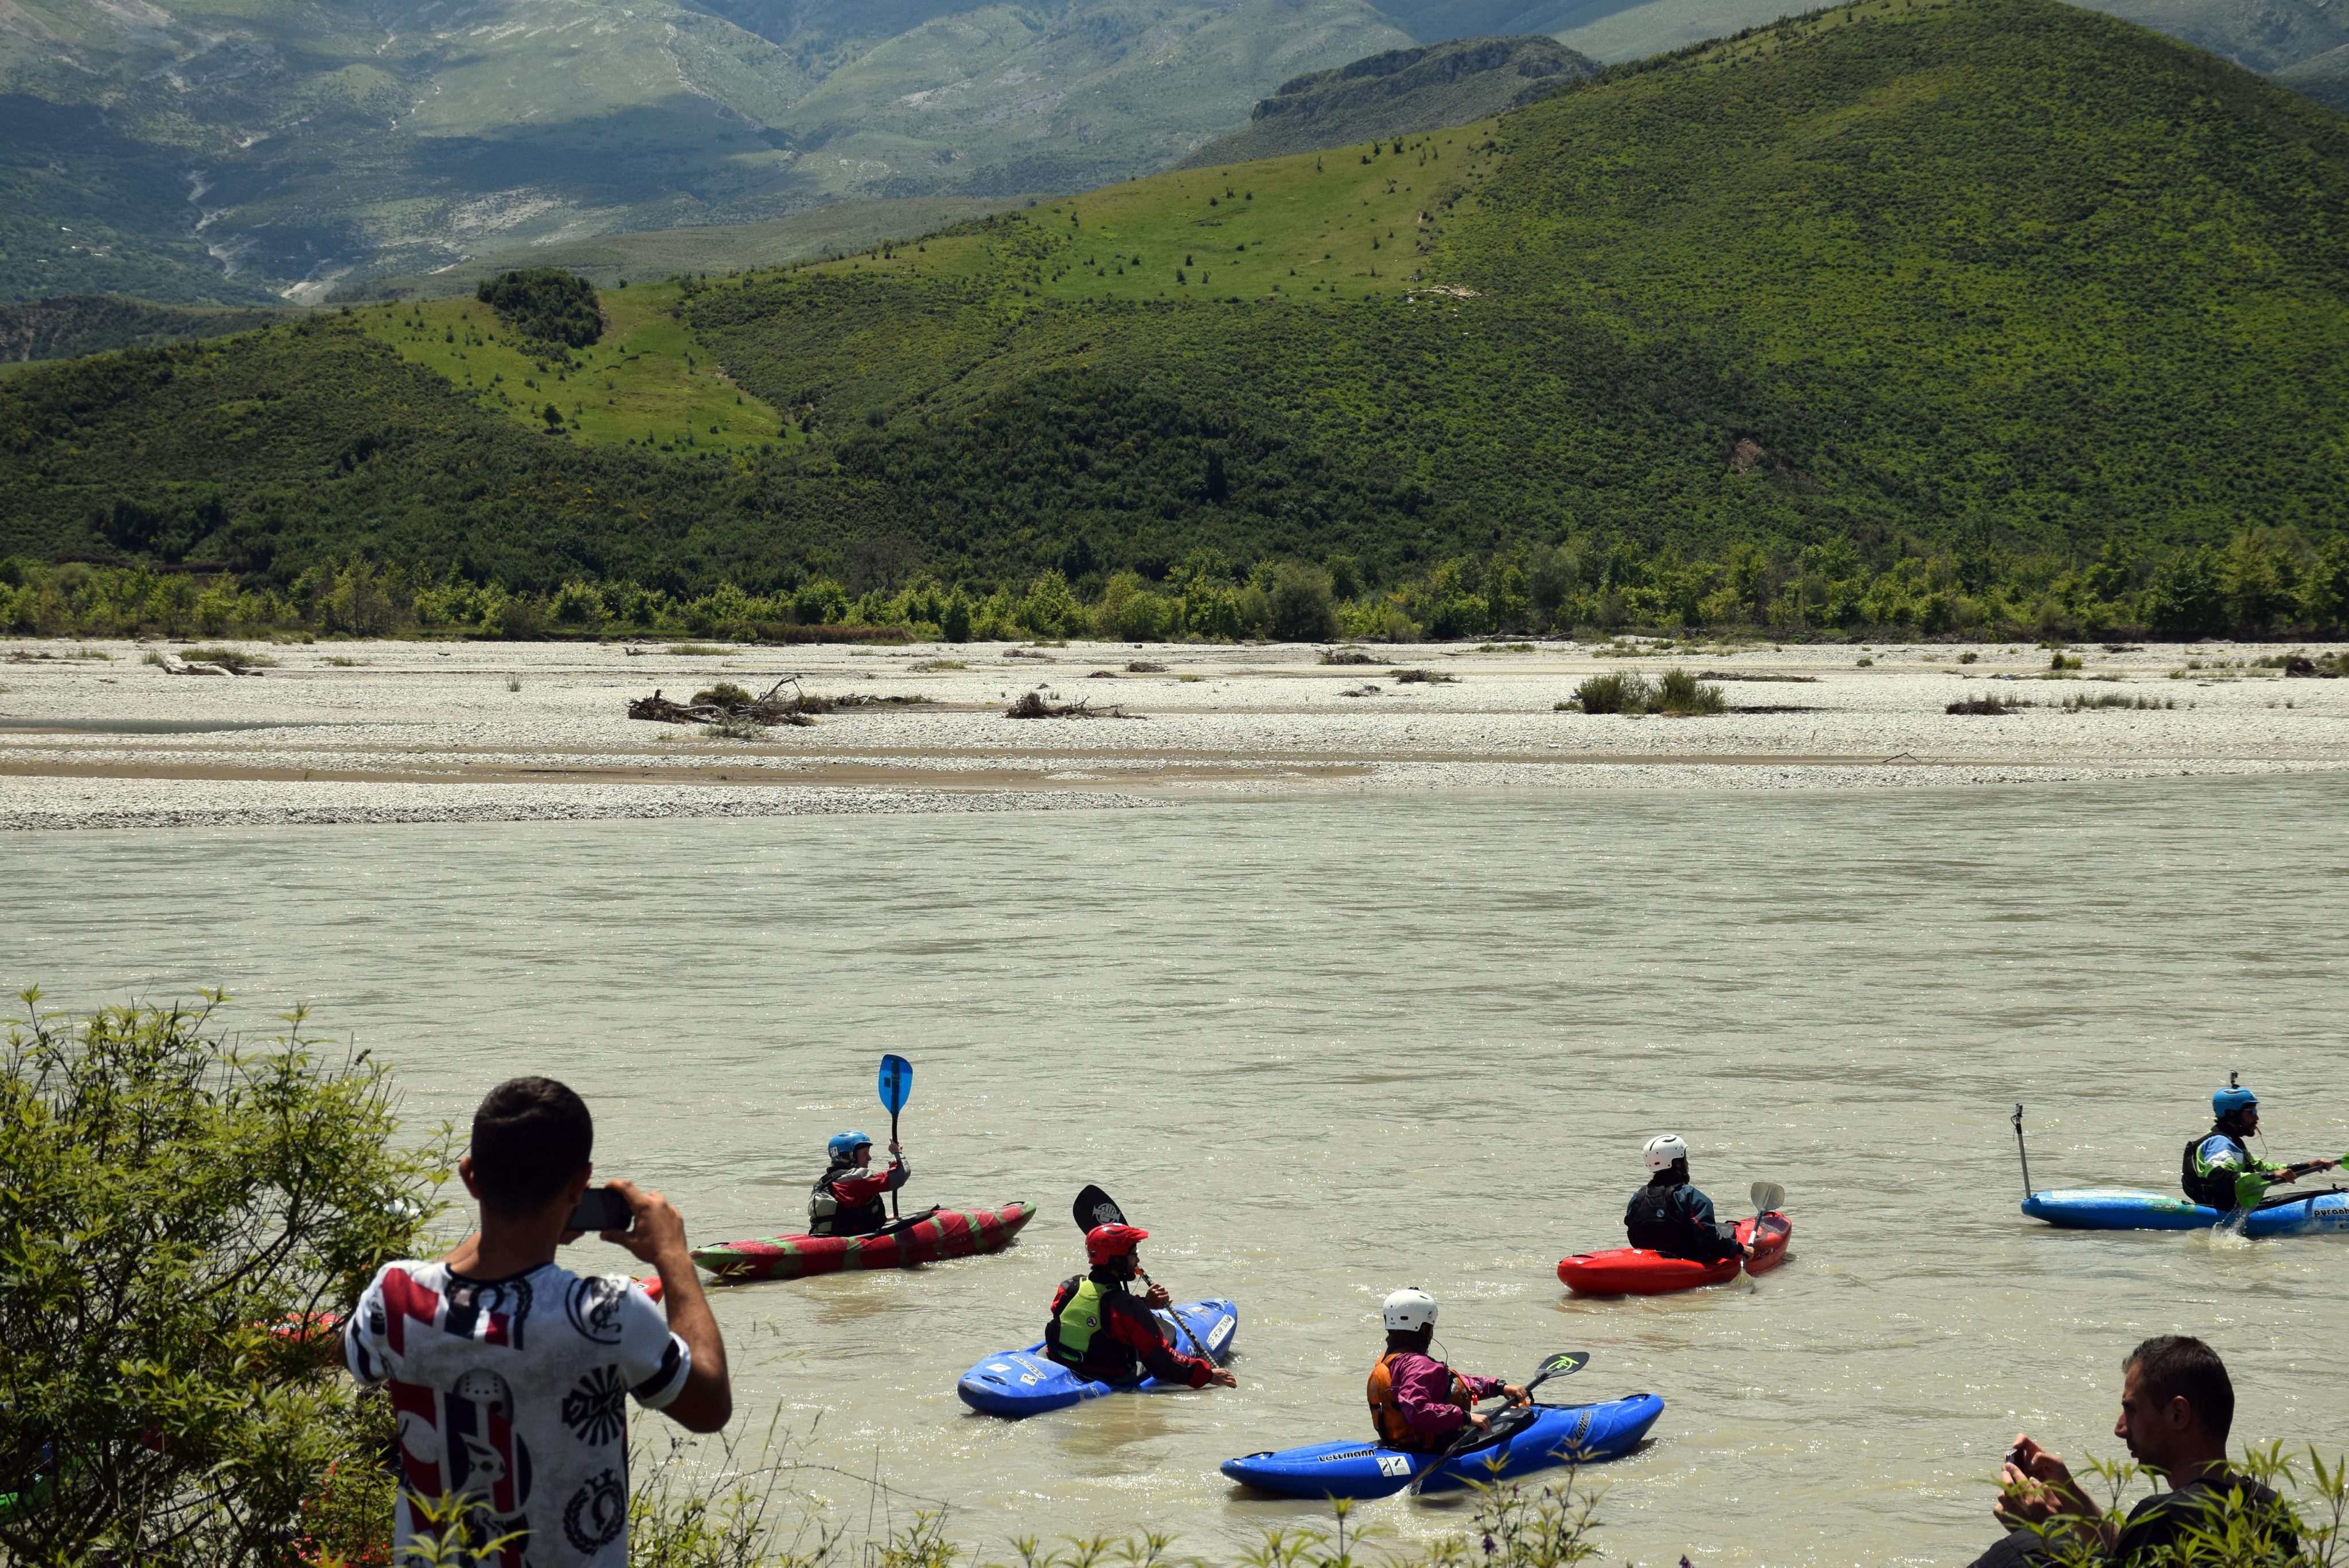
(828, 1217)
(1655, 1220)
(1387, 1419)
(1079, 1337)
(2213, 1185)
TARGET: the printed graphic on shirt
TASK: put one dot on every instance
(520, 1422)
(596, 1513)
(598, 1411)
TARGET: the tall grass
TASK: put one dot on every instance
(1675, 691)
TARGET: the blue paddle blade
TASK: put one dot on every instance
(896, 1082)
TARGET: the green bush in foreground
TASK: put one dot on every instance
(1675, 691)
(179, 1204)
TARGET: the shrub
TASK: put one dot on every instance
(1682, 693)
(1617, 691)
(181, 1209)
(725, 694)
(548, 305)
(1302, 603)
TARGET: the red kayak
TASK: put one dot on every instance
(917, 1239)
(1636, 1272)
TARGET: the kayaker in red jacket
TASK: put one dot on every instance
(846, 1199)
(1416, 1401)
(1102, 1332)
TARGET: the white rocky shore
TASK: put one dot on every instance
(96, 735)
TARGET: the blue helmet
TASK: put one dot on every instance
(2231, 1099)
(844, 1145)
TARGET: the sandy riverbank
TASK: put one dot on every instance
(421, 731)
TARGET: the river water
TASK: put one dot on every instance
(1325, 1046)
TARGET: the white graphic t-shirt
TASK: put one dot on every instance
(513, 1394)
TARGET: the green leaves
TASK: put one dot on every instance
(182, 1208)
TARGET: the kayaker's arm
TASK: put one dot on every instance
(658, 1237)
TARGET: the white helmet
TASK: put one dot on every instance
(1410, 1308)
(1664, 1150)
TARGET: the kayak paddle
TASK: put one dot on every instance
(1095, 1207)
(896, 1087)
(1565, 1363)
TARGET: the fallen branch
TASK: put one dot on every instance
(1034, 705)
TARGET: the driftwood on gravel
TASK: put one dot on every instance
(1036, 705)
(719, 705)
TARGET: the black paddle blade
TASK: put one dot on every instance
(1095, 1207)
(1565, 1363)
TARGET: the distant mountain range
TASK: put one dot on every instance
(259, 150)
(1398, 93)
(1956, 283)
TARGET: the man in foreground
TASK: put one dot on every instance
(2176, 1407)
(1102, 1332)
(508, 1375)
(846, 1199)
(2220, 1171)
(1416, 1401)
(1669, 1215)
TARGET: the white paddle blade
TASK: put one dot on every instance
(1768, 1198)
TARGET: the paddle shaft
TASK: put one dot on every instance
(1469, 1432)
(893, 1159)
(2023, 1152)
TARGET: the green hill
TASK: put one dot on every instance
(2000, 289)
(1398, 93)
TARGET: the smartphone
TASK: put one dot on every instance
(2015, 1456)
(600, 1209)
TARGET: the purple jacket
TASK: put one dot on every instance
(1422, 1387)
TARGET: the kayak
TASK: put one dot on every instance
(2129, 1208)
(1555, 1435)
(1637, 1272)
(924, 1238)
(1020, 1383)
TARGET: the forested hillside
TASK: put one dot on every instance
(1982, 299)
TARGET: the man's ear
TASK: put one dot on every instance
(465, 1175)
(2179, 1414)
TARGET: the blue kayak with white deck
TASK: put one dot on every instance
(1554, 1435)
(2131, 1208)
(1020, 1383)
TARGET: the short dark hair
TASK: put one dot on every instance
(530, 1136)
(2171, 1366)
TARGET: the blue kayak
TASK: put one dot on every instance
(1017, 1383)
(2125, 1209)
(1556, 1434)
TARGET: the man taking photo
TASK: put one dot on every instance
(2176, 1407)
(510, 1376)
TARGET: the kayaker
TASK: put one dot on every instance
(1104, 1331)
(1671, 1217)
(2176, 1407)
(2220, 1171)
(846, 1200)
(1416, 1401)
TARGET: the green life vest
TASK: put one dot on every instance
(1080, 1320)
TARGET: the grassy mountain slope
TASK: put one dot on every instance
(834, 229)
(1975, 276)
(645, 381)
(1398, 93)
(241, 149)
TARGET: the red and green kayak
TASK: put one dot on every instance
(917, 1239)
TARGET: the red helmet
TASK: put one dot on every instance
(1104, 1243)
